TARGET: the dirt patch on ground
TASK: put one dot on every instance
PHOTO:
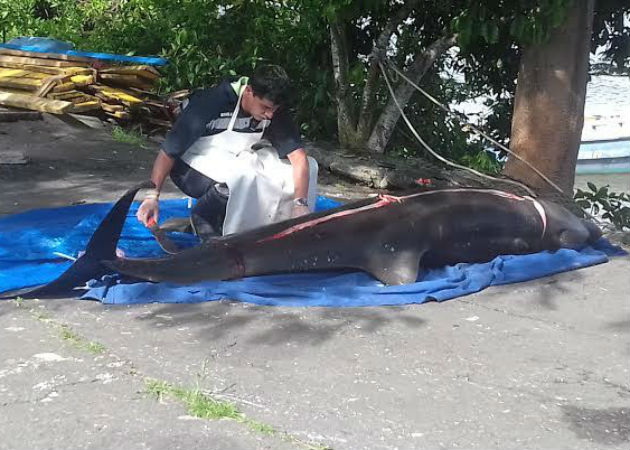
(70, 163)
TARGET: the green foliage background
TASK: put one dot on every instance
(207, 40)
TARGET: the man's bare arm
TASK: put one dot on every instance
(149, 209)
(161, 168)
(299, 162)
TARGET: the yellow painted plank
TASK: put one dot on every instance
(38, 61)
(125, 80)
(67, 71)
(111, 108)
(65, 95)
(47, 69)
(8, 90)
(10, 73)
(148, 72)
(82, 80)
(34, 103)
(119, 114)
(85, 106)
(64, 87)
(73, 96)
(120, 96)
(49, 55)
(29, 84)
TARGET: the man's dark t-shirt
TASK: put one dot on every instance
(209, 112)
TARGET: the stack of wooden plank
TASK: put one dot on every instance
(59, 83)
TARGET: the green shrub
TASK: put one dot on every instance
(613, 207)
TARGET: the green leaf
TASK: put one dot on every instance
(584, 204)
(579, 193)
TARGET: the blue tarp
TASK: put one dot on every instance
(47, 45)
(30, 244)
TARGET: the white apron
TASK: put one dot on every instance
(260, 183)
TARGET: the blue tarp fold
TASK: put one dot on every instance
(48, 45)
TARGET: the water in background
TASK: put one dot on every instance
(618, 182)
(606, 115)
(608, 95)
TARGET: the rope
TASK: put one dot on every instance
(435, 154)
(473, 127)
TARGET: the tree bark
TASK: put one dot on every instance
(549, 104)
(379, 51)
(355, 124)
(346, 122)
(387, 120)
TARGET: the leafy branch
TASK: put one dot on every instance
(614, 207)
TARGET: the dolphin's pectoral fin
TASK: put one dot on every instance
(394, 266)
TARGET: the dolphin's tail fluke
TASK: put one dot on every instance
(102, 246)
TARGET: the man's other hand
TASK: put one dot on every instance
(299, 210)
(148, 211)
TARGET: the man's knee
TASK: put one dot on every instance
(212, 206)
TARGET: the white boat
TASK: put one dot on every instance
(605, 146)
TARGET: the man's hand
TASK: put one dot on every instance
(299, 210)
(149, 211)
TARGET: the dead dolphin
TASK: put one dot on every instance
(102, 246)
(390, 237)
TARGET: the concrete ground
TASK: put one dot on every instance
(536, 365)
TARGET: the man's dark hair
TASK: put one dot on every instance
(271, 82)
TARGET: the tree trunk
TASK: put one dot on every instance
(346, 122)
(355, 124)
(549, 103)
(386, 122)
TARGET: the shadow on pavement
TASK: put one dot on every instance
(309, 326)
(610, 426)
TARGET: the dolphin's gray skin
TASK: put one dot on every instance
(390, 237)
(102, 246)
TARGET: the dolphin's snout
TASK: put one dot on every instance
(593, 230)
(574, 238)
